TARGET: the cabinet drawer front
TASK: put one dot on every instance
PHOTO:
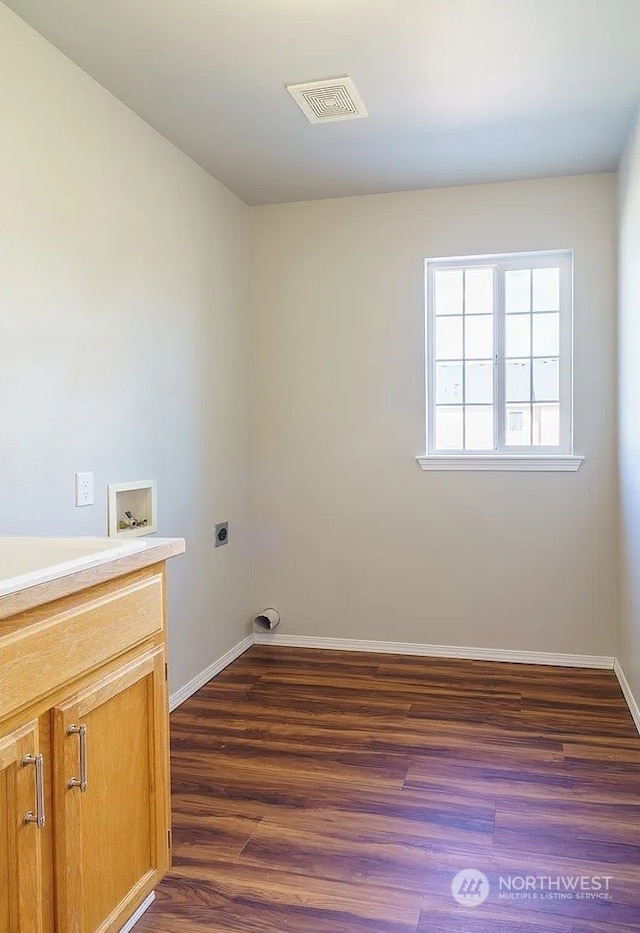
(40, 657)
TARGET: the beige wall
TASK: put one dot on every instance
(629, 405)
(353, 540)
(124, 349)
(124, 345)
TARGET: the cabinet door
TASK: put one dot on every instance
(22, 819)
(111, 795)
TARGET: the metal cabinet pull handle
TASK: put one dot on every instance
(80, 782)
(38, 816)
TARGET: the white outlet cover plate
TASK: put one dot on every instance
(84, 489)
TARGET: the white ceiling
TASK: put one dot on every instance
(458, 91)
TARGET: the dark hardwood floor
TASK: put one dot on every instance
(334, 792)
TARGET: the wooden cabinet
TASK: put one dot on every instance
(84, 776)
(21, 820)
(110, 779)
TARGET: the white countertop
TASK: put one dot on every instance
(28, 562)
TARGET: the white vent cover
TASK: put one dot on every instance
(326, 101)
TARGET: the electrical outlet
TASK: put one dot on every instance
(84, 489)
(221, 534)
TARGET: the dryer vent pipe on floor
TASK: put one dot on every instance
(267, 620)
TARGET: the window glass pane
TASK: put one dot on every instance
(546, 380)
(478, 428)
(478, 291)
(518, 335)
(449, 338)
(448, 383)
(448, 291)
(518, 426)
(546, 425)
(449, 428)
(478, 335)
(546, 335)
(517, 294)
(546, 289)
(518, 380)
(479, 383)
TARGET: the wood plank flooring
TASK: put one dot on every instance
(335, 792)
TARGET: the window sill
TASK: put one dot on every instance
(543, 463)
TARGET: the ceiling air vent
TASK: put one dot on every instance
(326, 101)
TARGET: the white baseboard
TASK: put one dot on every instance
(634, 709)
(437, 651)
(205, 676)
(146, 904)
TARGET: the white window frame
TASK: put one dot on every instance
(559, 458)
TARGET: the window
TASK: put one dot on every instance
(499, 362)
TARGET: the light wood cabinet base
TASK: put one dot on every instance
(84, 775)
